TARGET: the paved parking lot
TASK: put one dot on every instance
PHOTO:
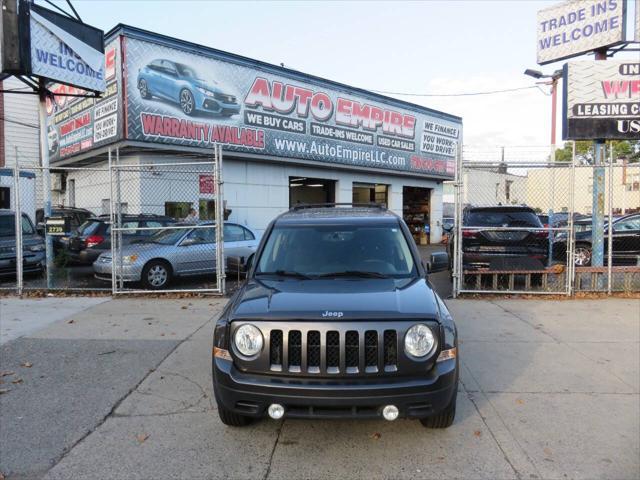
(550, 389)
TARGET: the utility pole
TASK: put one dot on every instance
(46, 177)
(597, 201)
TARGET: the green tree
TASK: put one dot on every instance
(585, 153)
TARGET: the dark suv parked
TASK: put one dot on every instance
(503, 238)
(33, 257)
(336, 319)
(93, 237)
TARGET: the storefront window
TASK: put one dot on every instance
(416, 209)
(304, 190)
(370, 193)
(177, 210)
(207, 209)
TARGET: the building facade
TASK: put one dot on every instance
(287, 138)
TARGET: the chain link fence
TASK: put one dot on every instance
(165, 218)
(525, 224)
(119, 225)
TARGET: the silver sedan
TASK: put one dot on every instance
(179, 252)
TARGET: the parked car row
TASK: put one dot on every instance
(179, 251)
(155, 248)
(516, 238)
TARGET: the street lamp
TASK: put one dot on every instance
(555, 76)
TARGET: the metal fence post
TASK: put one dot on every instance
(221, 267)
(456, 274)
(112, 235)
(571, 266)
(116, 263)
(18, 220)
(610, 227)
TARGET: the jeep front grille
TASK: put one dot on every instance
(333, 352)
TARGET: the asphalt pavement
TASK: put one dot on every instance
(122, 390)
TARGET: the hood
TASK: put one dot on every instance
(209, 86)
(143, 249)
(354, 298)
(27, 240)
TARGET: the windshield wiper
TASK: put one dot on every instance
(286, 273)
(355, 273)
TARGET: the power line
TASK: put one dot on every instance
(466, 94)
(17, 122)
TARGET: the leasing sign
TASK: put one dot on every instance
(602, 100)
(579, 26)
(198, 98)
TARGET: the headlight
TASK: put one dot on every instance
(248, 340)
(129, 258)
(419, 341)
(206, 92)
(37, 248)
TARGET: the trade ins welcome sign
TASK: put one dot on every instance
(579, 26)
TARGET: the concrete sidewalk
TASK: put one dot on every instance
(20, 317)
(549, 389)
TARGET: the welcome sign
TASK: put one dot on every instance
(64, 50)
(579, 26)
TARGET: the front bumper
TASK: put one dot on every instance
(33, 262)
(220, 107)
(518, 261)
(251, 395)
(130, 273)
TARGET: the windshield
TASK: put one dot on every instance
(314, 250)
(88, 227)
(505, 218)
(188, 72)
(8, 226)
(166, 237)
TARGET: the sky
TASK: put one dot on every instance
(429, 47)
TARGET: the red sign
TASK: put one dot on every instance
(207, 185)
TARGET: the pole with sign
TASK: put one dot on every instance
(46, 178)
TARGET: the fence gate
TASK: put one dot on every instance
(163, 224)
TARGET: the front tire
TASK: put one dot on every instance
(445, 418)
(144, 89)
(156, 275)
(187, 102)
(230, 418)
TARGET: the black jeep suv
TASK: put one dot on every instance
(336, 319)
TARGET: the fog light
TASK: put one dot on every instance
(390, 412)
(276, 411)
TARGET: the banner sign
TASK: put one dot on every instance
(579, 26)
(601, 100)
(207, 185)
(191, 99)
(77, 124)
(65, 50)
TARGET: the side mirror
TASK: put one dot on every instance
(188, 242)
(439, 262)
(249, 263)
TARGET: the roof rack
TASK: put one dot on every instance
(302, 206)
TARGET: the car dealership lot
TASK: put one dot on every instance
(550, 389)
